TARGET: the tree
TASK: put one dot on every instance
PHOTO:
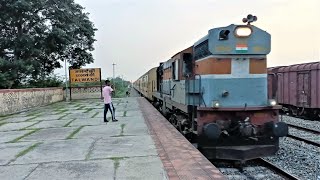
(36, 36)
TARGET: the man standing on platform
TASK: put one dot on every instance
(106, 92)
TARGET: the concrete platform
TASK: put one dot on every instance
(69, 140)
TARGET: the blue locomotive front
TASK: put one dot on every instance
(235, 118)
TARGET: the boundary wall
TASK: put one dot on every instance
(17, 100)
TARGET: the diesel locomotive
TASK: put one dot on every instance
(216, 91)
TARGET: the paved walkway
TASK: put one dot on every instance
(70, 141)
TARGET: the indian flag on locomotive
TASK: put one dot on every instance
(241, 48)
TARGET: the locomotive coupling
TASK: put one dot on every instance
(212, 131)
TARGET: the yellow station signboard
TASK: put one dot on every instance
(85, 75)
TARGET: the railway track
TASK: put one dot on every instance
(304, 129)
(276, 169)
(253, 169)
(309, 131)
(304, 140)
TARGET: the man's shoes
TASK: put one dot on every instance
(114, 120)
(106, 121)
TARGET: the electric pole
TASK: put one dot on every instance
(66, 78)
(113, 73)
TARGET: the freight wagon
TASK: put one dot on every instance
(296, 88)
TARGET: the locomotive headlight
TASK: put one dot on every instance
(272, 102)
(243, 31)
(215, 104)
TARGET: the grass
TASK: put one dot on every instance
(25, 135)
(2, 123)
(91, 149)
(116, 162)
(95, 115)
(122, 129)
(33, 114)
(66, 125)
(22, 153)
(34, 117)
(61, 111)
(63, 116)
(25, 128)
(74, 132)
(88, 110)
(88, 156)
(81, 107)
(4, 118)
(77, 105)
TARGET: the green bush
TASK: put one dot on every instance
(50, 81)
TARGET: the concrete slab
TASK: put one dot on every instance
(134, 113)
(89, 121)
(49, 117)
(17, 119)
(52, 151)
(50, 134)
(15, 126)
(16, 172)
(87, 115)
(9, 151)
(76, 111)
(132, 151)
(135, 128)
(78, 170)
(125, 146)
(51, 124)
(96, 132)
(11, 135)
(141, 168)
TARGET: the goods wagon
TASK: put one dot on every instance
(297, 88)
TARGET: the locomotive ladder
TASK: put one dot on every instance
(195, 94)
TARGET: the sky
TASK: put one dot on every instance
(137, 35)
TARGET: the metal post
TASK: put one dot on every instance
(122, 80)
(113, 73)
(65, 67)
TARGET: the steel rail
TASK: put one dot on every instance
(276, 169)
(304, 140)
(303, 128)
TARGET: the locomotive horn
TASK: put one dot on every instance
(250, 18)
(244, 20)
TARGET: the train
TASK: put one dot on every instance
(297, 89)
(215, 92)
